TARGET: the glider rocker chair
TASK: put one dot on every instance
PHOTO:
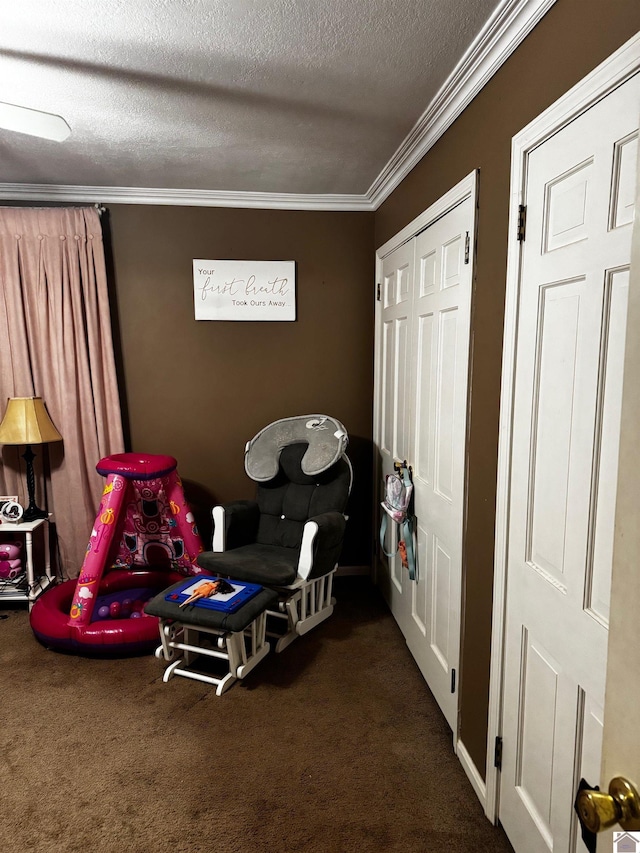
(290, 537)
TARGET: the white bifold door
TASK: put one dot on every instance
(579, 189)
(421, 416)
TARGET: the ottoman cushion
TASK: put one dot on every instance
(205, 618)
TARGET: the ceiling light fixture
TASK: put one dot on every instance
(33, 122)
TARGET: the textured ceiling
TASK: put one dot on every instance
(278, 96)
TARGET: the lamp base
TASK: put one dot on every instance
(32, 512)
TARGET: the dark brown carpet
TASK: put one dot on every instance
(334, 745)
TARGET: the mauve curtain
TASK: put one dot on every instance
(56, 343)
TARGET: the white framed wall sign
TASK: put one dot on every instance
(244, 290)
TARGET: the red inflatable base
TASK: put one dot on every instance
(53, 627)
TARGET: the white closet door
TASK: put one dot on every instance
(421, 391)
(566, 425)
(440, 361)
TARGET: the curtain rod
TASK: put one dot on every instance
(100, 208)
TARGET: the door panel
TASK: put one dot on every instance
(442, 309)
(394, 383)
(622, 188)
(425, 340)
(600, 546)
(565, 444)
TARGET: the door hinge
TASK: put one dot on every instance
(497, 753)
(467, 245)
(453, 681)
(378, 292)
(522, 222)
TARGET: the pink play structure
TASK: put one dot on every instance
(144, 539)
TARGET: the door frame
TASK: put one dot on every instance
(465, 189)
(613, 72)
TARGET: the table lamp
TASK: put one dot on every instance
(26, 421)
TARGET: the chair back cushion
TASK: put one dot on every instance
(293, 497)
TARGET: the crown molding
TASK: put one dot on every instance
(511, 22)
(509, 25)
(194, 198)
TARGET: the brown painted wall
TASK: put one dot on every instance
(200, 390)
(571, 40)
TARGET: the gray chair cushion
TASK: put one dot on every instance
(262, 564)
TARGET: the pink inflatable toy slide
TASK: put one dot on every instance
(144, 539)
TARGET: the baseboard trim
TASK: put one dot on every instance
(472, 772)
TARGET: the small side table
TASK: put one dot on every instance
(36, 581)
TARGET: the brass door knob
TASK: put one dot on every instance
(598, 810)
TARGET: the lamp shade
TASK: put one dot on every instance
(26, 421)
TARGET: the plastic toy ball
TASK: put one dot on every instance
(103, 611)
(135, 614)
(114, 609)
